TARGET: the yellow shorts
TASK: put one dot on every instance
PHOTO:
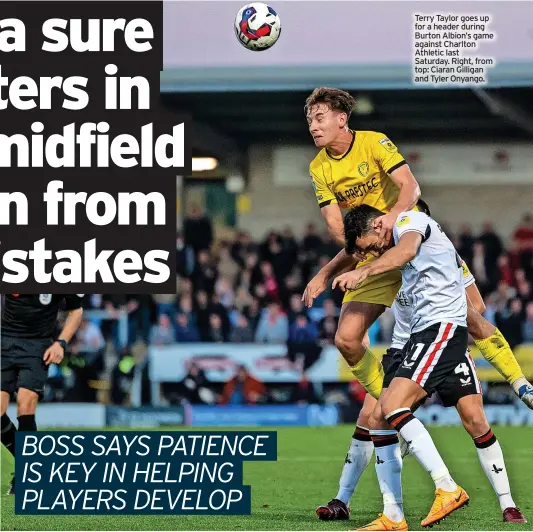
(379, 289)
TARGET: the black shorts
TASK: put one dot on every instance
(23, 365)
(391, 361)
(437, 359)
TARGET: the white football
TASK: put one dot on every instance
(257, 26)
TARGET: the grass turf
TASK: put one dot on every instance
(285, 493)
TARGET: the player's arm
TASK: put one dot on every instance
(332, 214)
(409, 190)
(329, 207)
(55, 353)
(72, 324)
(393, 259)
(387, 156)
(475, 299)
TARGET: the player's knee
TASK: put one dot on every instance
(350, 346)
(26, 403)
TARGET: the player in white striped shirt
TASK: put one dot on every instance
(435, 358)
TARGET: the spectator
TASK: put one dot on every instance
(185, 258)
(202, 312)
(165, 304)
(242, 333)
(303, 331)
(227, 267)
(479, 267)
(193, 384)
(185, 329)
(465, 243)
(311, 241)
(162, 333)
(273, 327)
(204, 275)
(491, 241)
(504, 269)
(297, 308)
(242, 389)
(527, 327)
(524, 292)
(216, 331)
(327, 330)
(304, 392)
(269, 281)
(510, 322)
(224, 292)
(253, 313)
(197, 229)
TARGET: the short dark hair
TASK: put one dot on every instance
(336, 99)
(423, 206)
(358, 223)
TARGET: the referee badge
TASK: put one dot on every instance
(45, 299)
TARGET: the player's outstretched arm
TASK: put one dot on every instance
(338, 264)
(332, 214)
(393, 259)
(409, 195)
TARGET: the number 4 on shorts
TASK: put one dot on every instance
(463, 368)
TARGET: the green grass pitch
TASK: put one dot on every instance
(285, 493)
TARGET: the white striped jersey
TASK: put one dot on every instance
(402, 311)
(433, 279)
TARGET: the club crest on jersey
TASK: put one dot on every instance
(402, 221)
(45, 299)
(388, 145)
(363, 169)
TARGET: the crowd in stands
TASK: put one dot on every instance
(243, 291)
(246, 291)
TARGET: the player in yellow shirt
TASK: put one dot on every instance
(355, 167)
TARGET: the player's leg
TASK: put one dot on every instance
(32, 377)
(463, 391)
(496, 350)
(357, 459)
(431, 357)
(10, 372)
(355, 319)
(388, 470)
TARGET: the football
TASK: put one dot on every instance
(257, 26)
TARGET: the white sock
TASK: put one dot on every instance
(493, 465)
(389, 472)
(422, 447)
(357, 460)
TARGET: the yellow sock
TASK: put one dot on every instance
(369, 372)
(496, 350)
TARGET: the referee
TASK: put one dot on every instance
(28, 347)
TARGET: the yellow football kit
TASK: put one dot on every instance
(362, 175)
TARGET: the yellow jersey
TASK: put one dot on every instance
(361, 175)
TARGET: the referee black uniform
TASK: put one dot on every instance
(28, 330)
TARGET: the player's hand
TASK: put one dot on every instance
(54, 354)
(313, 289)
(384, 225)
(350, 280)
(525, 393)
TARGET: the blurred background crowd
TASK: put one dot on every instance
(246, 291)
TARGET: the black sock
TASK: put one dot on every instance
(8, 434)
(27, 423)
